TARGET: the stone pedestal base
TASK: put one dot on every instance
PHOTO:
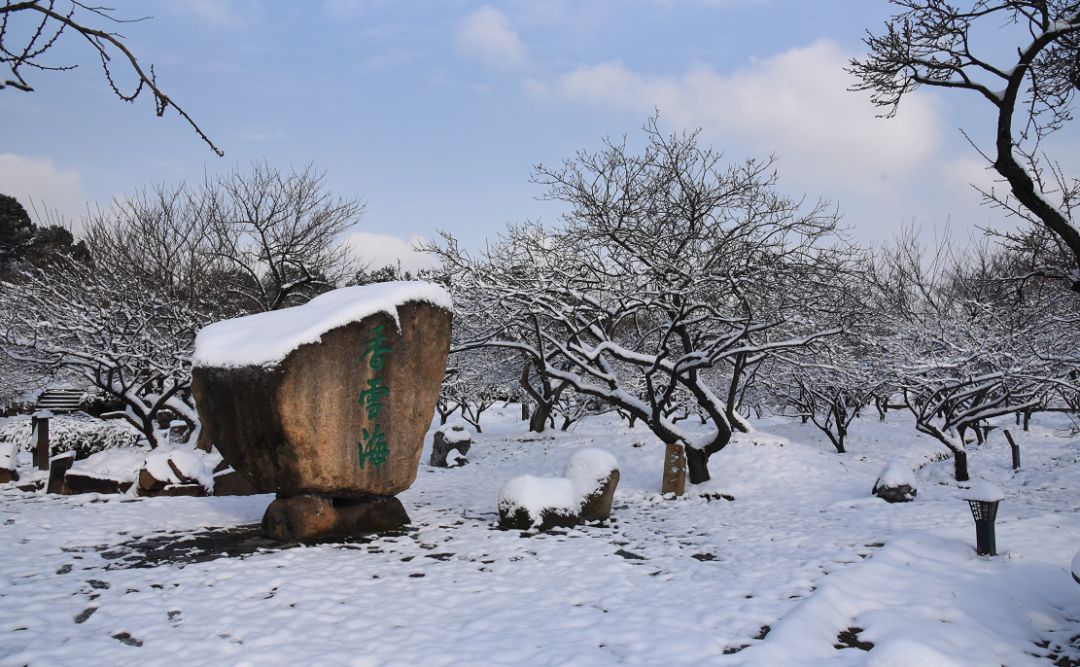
(310, 517)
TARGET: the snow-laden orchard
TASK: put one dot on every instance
(803, 567)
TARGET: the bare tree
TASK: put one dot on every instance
(1030, 89)
(29, 29)
(829, 385)
(279, 235)
(963, 344)
(475, 382)
(651, 287)
(164, 263)
(130, 340)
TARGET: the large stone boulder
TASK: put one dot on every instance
(584, 493)
(332, 398)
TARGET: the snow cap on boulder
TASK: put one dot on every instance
(590, 468)
(8, 452)
(264, 339)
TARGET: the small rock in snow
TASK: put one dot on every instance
(896, 483)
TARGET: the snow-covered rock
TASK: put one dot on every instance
(896, 483)
(453, 437)
(584, 493)
(122, 465)
(110, 471)
(8, 453)
(1075, 567)
(176, 467)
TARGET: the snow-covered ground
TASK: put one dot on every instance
(803, 560)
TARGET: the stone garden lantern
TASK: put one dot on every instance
(983, 498)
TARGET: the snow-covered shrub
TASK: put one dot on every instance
(98, 403)
(77, 432)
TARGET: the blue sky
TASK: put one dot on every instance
(435, 112)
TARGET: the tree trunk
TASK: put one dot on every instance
(697, 464)
(524, 411)
(539, 419)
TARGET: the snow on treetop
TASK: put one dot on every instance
(983, 491)
(264, 339)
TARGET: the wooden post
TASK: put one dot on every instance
(40, 427)
(674, 470)
(1015, 450)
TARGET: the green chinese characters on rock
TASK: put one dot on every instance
(371, 398)
(373, 448)
(376, 348)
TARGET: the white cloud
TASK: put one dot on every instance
(217, 13)
(486, 35)
(379, 250)
(964, 172)
(795, 104)
(41, 186)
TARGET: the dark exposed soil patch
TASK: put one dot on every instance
(211, 544)
(850, 639)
